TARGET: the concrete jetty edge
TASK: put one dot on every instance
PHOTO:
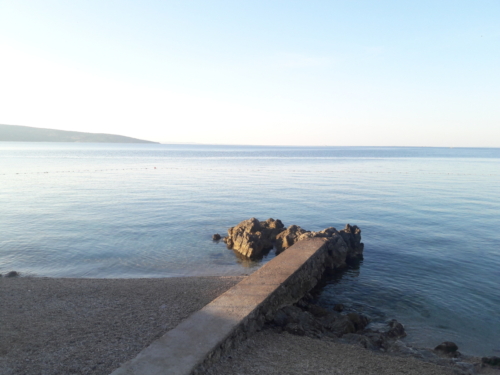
(200, 340)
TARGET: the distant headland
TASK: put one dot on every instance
(17, 133)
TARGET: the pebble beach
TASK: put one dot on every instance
(91, 326)
(52, 326)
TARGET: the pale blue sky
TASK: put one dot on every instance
(384, 73)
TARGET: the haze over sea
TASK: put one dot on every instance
(429, 218)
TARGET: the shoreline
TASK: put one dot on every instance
(91, 326)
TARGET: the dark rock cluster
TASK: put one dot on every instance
(318, 322)
(491, 361)
(308, 319)
(447, 348)
(11, 274)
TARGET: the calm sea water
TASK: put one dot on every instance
(430, 219)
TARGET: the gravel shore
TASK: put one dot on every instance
(268, 352)
(90, 326)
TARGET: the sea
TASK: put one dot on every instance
(430, 221)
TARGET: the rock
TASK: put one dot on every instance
(338, 252)
(294, 233)
(317, 311)
(295, 329)
(396, 330)
(280, 318)
(492, 361)
(309, 319)
(400, 347)
(299, 322)
(337, 324)
(316, 321)
(338, 307)
(12, 274)
(359, 321)
(288, 237)
(351, 235)
(447, 347)
(305, 302)
(377, 339)
(466, 367)
(216, 237)
(252, 237)
(356, 339)
(345, 245)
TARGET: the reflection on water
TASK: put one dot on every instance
(429, 218)
(368, 298)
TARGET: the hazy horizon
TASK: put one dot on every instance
(318, 73)
(238, 144)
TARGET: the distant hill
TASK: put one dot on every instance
(17, 133)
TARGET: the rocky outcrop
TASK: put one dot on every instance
(351, 235)
(317, 322)
(288, 237)
(253, 237)
(308, 319)
(293, 313)
(305, 318)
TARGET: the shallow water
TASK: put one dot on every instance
(429, 218)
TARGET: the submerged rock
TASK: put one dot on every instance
(492, 361)
(338, 307)
(216, 237)
(447, 347)
(396, 330)
(358, 320)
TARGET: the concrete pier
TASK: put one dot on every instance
(202, 338)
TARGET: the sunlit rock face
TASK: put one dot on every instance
(252, 238)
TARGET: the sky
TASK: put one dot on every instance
(335, 73)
